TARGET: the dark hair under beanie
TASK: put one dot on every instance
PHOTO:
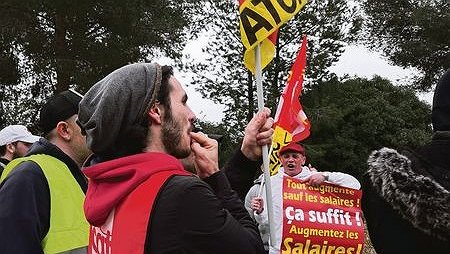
(441, 104)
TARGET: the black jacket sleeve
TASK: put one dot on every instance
(241, 172)
(24, 210)
(190, 216)
(219, 222)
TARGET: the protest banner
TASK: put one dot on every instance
(321, 220)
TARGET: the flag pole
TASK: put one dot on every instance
(265, 149)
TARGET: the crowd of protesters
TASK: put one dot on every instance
(137, 127)
(109, 176)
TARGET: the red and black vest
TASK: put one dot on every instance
(125, 230)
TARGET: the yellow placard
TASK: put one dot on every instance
(260, 18)
(280, 138)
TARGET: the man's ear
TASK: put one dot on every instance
(155, 113)
(10, 148)
(64, 131)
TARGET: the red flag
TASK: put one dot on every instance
(291, 123)
(290, 115)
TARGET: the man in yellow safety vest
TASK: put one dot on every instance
(42, 194)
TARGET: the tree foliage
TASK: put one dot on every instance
(350, 119)
(48, 46)
(411, 33)
(219, 131)
(223, 78)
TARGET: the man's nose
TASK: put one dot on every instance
(191, 116)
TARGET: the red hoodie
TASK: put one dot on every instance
(109, 204)
(113, 180)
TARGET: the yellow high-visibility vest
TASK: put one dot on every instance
(69, 229)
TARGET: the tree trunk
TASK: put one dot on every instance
(62, 61)
(275, 81)
(2, 110)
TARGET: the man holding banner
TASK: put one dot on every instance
(292, 159)
(254, 204)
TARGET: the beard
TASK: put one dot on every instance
(172, 137)
(16, 155)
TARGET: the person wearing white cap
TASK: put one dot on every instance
(14, 143)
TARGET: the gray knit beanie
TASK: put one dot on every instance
(115, 103)
(440, 113)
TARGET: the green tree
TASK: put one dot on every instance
(223, 78)
(219, 131)
(411, 33)
(350, 119)
(49, 46)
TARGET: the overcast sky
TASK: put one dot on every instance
(355, 61)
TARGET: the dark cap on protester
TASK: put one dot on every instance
(440, 113)
(58, 108)
(292, 147)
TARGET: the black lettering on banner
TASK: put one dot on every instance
(285, 140)
(274, 159)
(277, 147)
(287, 8)
(270, 8)
(250, 30)
(260, 21)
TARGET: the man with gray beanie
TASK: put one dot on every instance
(140, 199)
(406, 195)
(42, 194)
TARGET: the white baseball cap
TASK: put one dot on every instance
(13, 133)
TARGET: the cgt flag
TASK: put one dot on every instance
(259, 22)
(291, 123)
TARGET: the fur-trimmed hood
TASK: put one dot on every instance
(418, 199)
